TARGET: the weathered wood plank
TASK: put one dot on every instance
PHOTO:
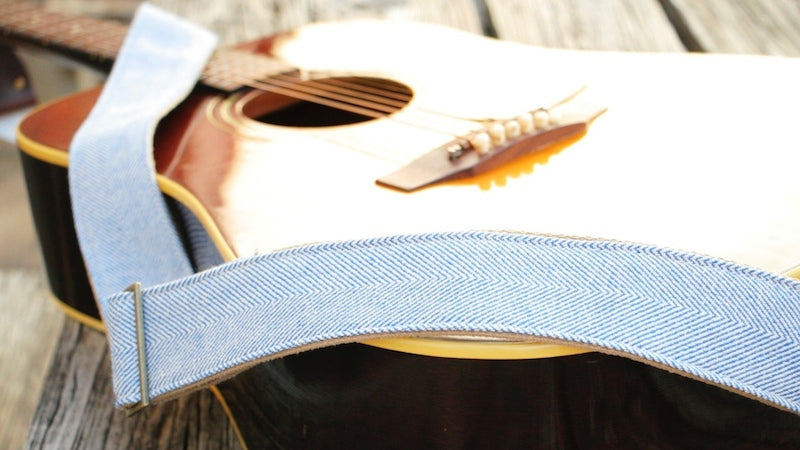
(20, 249)
(76, 409)
(29, 326)
(767, 27)
(251, 18)
(118, 9)
(628, 25)
(30, 322)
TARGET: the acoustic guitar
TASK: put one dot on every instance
(368, 128)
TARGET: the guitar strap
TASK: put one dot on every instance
(729, 325)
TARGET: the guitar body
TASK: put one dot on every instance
(690, 155)
(687, 156)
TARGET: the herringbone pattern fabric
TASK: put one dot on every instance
(730, 325)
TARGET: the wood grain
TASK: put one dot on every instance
(768, 27)
(627, 25)
(20, 249)
(29, 325)
(250, 19)
(76, 408)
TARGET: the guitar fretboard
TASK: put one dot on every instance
(96, 42)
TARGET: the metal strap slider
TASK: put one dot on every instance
(136, 288)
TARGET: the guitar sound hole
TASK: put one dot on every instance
(333, 102)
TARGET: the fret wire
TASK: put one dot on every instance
(96, 43)
(14, 7)
(64, 28)
(19, 10)
(106, 39)
(17, 19)
(22, 18)
(40, 20)
(89, 35)
(83, 32)
(97, 36)
(50, 29)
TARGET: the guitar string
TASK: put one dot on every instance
(374, 94)
(377, 112)
(379, 102)
(342, 138)
(310, 87)
(375, 101)
(371, 95)
(393, 95)
(84, 33)
(88, 31)
(71, 28)
(366, 84)
(92, 36)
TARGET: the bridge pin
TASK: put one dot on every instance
(482, 143)
(525, 122)
(498, 133)
(512, 129)
(541, 118)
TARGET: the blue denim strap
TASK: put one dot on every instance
(122, 222)
(730, 325)
(726, 324)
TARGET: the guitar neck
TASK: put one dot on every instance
(91, 41)
(96, 43)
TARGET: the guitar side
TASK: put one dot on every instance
(43, 138)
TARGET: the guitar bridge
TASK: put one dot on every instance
(496, 143)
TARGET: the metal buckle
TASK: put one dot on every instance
(136, 288)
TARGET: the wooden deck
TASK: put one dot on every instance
(75, 406)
